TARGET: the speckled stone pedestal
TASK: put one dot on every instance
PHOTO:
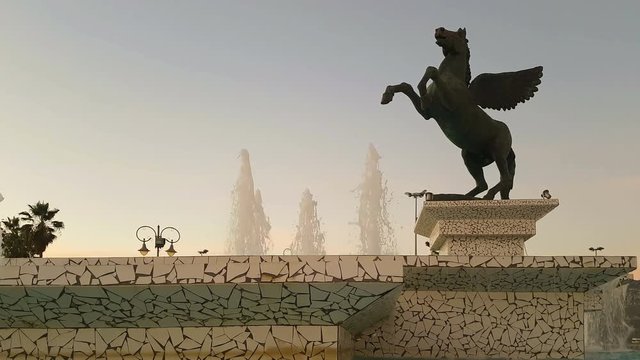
(481, 227)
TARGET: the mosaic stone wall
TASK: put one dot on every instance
(516, 273)
(593, 300)
(371, 315)
(278, 269)
(59, 305)
(234, 342)
(188, 305)
(472, 325)
(203, 269)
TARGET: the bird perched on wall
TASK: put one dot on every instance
(546, 194)
(416, 194)
(202, 252)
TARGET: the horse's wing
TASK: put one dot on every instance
(504, 91)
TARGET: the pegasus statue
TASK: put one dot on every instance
(455, 103)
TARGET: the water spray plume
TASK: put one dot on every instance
(249, 230)
(376, 233)
(309, 238)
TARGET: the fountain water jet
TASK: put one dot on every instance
(249, 230)
(606, 330)
(309, 238)
(376, 233)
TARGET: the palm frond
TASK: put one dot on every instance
(40, 209)
(26, 215)
(50, 215)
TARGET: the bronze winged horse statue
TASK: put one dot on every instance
(456, 102)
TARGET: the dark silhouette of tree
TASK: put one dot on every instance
(31, 233)
(16, 241)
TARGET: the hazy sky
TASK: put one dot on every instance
(125, 113)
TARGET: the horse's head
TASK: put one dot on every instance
(452, 42)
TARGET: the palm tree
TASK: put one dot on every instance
(41, 226)
(17, 239)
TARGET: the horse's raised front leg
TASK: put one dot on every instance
(446, 95)
(430, 74)
(425, 99)
(406, 89)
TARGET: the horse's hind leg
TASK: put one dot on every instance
(511, 166)
(474, 164)
(506, 180)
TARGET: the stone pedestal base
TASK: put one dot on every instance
(481, 227)
(507, 246)
(479, 325)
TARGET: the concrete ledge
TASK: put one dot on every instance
(199, 269)
(264, 269)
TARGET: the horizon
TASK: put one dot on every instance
(122, 116)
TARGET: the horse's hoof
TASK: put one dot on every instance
(431, 72)
(386, 98)
(488, 197)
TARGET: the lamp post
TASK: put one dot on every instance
(595, 250)
(160, 241)
(415, 197)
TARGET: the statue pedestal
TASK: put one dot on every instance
(481, 227)
(481, 298)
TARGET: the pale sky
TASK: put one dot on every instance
(124, 114)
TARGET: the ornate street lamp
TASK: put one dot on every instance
(160, 241)
(595, 250)
(415, 196)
